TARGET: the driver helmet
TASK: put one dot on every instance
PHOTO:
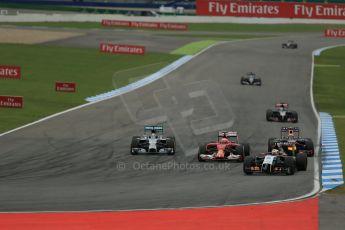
(275, 152)
(224, 141)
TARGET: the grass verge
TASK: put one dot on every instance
(42, 66)
(207, 40)
(208, 27)
(329, 94)
(194, 47)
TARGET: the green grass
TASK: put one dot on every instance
(330, 81)
(194, 47)
(209, 27)
(206, 41)
(329, 94)
(42, 66)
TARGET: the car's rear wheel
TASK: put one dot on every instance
(247, 165)
(269, 114)
(310, 147)
(289, 165)
(242, 80)
(301, 161)
(134, 144)
(246, 149)
(171, 144)
(295, 116)
(260, 82)
(240, 150)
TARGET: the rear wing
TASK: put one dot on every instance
(290, 131)
(282, 105)
(153, 128)
(227, 134)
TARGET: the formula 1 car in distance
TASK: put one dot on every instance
(227, 148)
(291, 142)
(153, 141)
(281, 113)
(275, 162)
(290, 45)
(251, 79)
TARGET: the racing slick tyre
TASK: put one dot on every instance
(301, 161)
(270, 144)
(289, 165)
(242, 80)
(240, 150)
(247, 164)
(269, 114)
(310, 147)
(295, 116)
(246, 149)
(134, 144)
(202, 150)
(260, 82)
(171, 144)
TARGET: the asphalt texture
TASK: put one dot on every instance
(80, 160)
(331, 211)
(153, 41)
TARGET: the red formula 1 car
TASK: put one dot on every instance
(227, 148)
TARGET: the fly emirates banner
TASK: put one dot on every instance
(270, 9)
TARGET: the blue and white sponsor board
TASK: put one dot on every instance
(332, 172)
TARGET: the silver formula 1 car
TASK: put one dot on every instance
(290, 45)
(153, 141)
(281, 113)
(251, 79)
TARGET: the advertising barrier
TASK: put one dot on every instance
(69, 87)
(336, 33)
(270, 9)
(121, 49)
(146, 25)
(11, 102)
(12, 72)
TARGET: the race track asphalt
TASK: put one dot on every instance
(80, 160)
